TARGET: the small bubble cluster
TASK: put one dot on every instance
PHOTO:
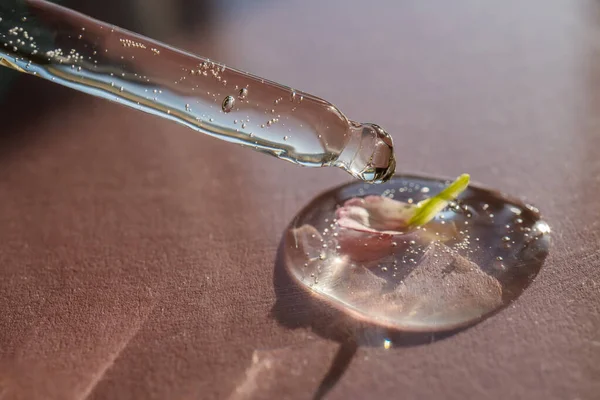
(131, 43)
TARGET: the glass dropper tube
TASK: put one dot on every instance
(74, 50)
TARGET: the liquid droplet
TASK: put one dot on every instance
(438, 277)
(243, 93)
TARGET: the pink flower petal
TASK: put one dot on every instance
(374, 227)
(365, 246)
(374, 214)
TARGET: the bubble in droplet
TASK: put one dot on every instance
(244, 125)
(243, 93)
(505, 239)
(228, 104)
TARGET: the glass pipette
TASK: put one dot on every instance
(74, 50)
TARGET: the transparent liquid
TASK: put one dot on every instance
(76, 51)
(422, 280)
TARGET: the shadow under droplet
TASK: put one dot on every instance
(338, 367)
(296, 308)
